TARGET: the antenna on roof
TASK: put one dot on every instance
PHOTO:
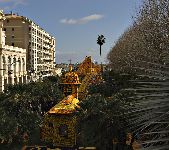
(70, 61)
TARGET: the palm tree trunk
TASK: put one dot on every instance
(100, 49)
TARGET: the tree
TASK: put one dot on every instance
(100, 41)
(143, 50)
(23, 106)
(102, 116)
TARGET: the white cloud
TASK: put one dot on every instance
(19, 2)
(5, 1)
(83, 20)
(68, 21)
(13, 3)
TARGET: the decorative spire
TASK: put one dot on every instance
(70, 68)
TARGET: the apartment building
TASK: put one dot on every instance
(40, 45)
(12, 61)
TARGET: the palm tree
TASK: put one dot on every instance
(148, 116)
(100, 41)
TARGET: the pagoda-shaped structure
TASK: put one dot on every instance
(70, 83)
(59, 126)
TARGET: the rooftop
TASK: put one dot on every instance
(67, 106)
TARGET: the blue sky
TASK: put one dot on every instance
(76, 24)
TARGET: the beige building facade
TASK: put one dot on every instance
(12, 61)
(40, 46)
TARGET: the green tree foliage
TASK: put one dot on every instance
(143, 50)
(102, 117)
(22, 107)
(102, 120)
(112, 83)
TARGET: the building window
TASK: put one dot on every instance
(4, 29)
(63, 130)
(13, 36)
(12, 44)
(12, 29)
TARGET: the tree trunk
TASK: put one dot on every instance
(100, 50)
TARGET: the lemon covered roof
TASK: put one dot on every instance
(66, 106)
